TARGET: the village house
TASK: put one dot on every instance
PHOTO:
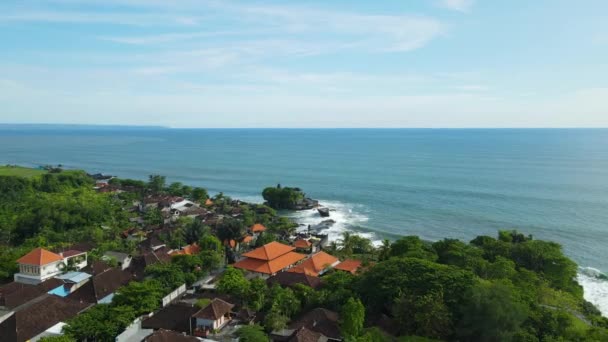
(211, 318)
(269, 259)
(123, 260)
(303, 246)
(349, 265)
(317, 264)
(40, 265)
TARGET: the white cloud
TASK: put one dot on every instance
(457, 5)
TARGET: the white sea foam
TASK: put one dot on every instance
(595, 285)
(345, 215)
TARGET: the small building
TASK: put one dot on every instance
(349, 265)
(192, 249)
(317, 264)
(211, 318)
(71, 282)
(257, 228)
(320, 321)
(39, 265)
(123, 260)
(269, 259)
(303, 246)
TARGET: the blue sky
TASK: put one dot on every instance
(343, 63)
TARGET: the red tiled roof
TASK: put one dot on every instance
(315, 264)
(269, 251)
(258, 227)
(349, 265)
(301, 243)
(271, 266)
(39, 256)
(187, 250)
(248, 239)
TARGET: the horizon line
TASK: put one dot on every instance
(76, 125)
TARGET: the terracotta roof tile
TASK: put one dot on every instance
(272, 266)
(258, 227)
(316, 264)
(269, 251)
(349, 265)
(39, 256)
(301, 243)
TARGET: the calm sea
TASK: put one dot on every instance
(550, 183)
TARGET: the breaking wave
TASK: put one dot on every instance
(595, 284)
(347, 217)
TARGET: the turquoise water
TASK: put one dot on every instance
(433, 183)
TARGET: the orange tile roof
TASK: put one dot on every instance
(316, 264)
(187, 250)
(248, 239)
(349, 265)
(39, 256)
(301, 243)
(269, 251)
(230, 243)
(208, 202)
(258, 227)
(272, 266)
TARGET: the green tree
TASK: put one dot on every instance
(156, 183)
(251, 333)
(352, 318)
(144, 297)
(211, 243)
(493, 313)
(284, 300)
(282, 198)
(413, 247)
(210, 260)
(275, 320)
(231, 229)
(170, 276)
(424, 315)
(233, 282)
(194, 231)
(199, 194)
(100, 323)
(258, 291)
(153, 217)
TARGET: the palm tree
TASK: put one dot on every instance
(346, 243)
(385, 250)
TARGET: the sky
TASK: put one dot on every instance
(341, 63)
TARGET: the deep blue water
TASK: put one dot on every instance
(433, 183)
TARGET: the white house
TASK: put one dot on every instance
(39, 265)
(212, 317)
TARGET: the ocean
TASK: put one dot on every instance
(382, 183)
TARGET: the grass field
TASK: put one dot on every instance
(20, 171)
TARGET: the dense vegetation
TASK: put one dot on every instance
(508, 288)
(283, 197)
